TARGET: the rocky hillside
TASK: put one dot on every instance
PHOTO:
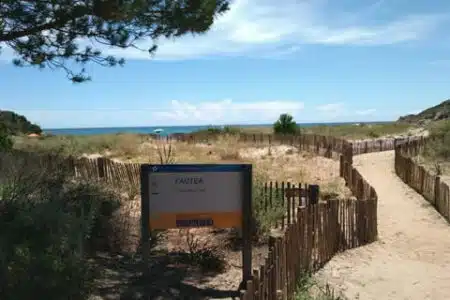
(12, 123)
(435, 113)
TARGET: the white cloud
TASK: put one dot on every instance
(268, 28)
(227, 112)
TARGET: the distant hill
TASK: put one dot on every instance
(15, 124)
(435, 113)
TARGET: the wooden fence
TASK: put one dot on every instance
(429, 186)
(322, 230)
(327, 146)
(290, 197)
(118, 174)
(318, 232)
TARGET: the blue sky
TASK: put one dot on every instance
(321, 61)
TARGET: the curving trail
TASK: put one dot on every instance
(411, 259)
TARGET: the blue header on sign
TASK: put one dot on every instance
(183, 168)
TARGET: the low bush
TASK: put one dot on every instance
(309, 289)
(219, 130)
(265, 214)
(285, 125)
(201, 253)
(6, 142)
(439, 146)
(48, 222)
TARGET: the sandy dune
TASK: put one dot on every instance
(411, 260)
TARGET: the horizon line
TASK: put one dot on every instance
(217, 125)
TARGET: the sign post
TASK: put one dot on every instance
(198, 195)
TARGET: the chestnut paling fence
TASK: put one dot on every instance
(314, 231)
(416, 176)
(327, 146)
(317, 233)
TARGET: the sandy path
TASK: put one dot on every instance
(411, 260)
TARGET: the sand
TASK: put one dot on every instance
(411, 260)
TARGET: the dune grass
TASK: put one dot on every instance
(349, 131)
(268, 161)
(77, 145)
(360, 130)
(436, 155)
(308, 288)
(127, 145)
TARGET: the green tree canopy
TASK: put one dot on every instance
(55, 33)
(6, 142)
(12, 123)
(285, 125)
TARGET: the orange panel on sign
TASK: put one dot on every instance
(189, 220)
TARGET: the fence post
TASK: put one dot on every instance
(346, 174)
(422, 178)
(313, 191)
(288, 199)
(409, 164)
(329, 151)
(360, 189)
(437, 186)
(275, 265)
(341, 165)
(350, 153)
(101, 167)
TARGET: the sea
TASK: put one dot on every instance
(166, 130)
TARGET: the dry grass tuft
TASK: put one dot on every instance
(436, 155)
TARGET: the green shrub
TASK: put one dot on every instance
(47, 223)
(214, 130)
(200, 253)
(285, 125)
(219, 130)
(265, 218)
(231, 130)
(439, 146)
(309, 289)
(6, 142)
(17, 124)
(373, 134)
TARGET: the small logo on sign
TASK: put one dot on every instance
(154, 169)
